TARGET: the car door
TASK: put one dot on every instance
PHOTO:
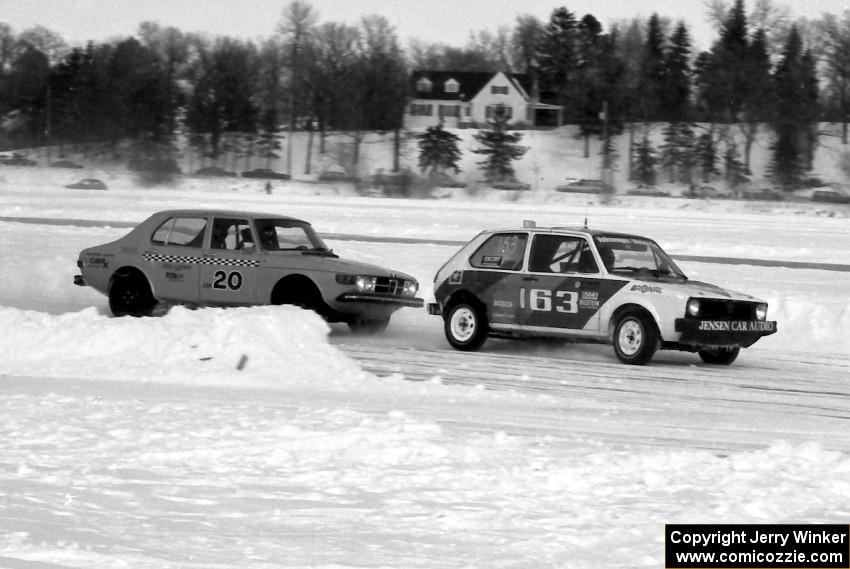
(228, 274)
(174, 255)
(495, 275)
(560, 289)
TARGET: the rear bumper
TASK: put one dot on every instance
(80, 280)
(386, 299)
(742, 333)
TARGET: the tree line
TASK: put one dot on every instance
(232, 98)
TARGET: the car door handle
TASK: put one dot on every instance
(530, 279)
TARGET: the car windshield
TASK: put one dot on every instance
(288, 235)
(626, 255)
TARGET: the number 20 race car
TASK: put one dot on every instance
(231, 258)
(594, 286)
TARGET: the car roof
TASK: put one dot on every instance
(227, 213)
(587, 232)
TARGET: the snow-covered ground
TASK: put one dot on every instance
(263, 437)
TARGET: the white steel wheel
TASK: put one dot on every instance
(630, 337)
(635, 338)
(466, 326)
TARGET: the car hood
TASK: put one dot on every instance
(367, 269)
(692, 288)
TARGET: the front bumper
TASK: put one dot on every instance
(435, 309)
(744, 333)
(381, 299)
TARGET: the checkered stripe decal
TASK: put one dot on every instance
(158, 258)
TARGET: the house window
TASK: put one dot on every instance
(504, 111)
(423, 85)
(421, 110)
(451, 86)
(498, 90)
(449, 111)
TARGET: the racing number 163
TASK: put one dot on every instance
(542, 299)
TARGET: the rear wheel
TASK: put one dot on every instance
(720, 356)
(367, 326)
(635, 338)
(466, 326)
(131, 296)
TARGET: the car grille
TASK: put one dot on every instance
(711, 309)
(387, 285)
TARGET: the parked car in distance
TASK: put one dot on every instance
(593, 286)
(510, 185)
(67, 164)
(265, 173)
(584, 186)
(87, 184)
(706, 192)
(647, 190)
(201, 257)
(766, 194)
(830, 195)
(443, 180)
(337, 176)
(215, 171)
(19, 160)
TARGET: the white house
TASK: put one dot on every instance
(462, 99)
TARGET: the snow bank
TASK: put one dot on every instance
(265, 346)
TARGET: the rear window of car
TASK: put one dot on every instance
(503, 251)
(183, 231)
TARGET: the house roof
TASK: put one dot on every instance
(469, 83)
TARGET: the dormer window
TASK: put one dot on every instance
(451, 86)
(423, 85)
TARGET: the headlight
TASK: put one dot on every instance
(410, 287)
(693, 307)
(366, 284)
(761, 311)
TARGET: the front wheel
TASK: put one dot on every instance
(466, 326)
(131, 296)
(635, 339)
(720, 356)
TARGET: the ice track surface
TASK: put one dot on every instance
(139, 443)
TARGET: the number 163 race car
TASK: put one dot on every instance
(594, 286)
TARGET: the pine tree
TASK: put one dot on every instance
(645, 161)
(652, 73)
(557, 59)
(793, 123)
(706, 153)
(438, 151)
(677, 156)
(676, 95)
(500, 149)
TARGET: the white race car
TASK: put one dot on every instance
(589, 285)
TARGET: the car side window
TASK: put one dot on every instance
(561, 254)
(504, 251)
(231, 234)
(183, 231)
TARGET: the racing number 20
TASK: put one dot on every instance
(225, 281)
(564, 301)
